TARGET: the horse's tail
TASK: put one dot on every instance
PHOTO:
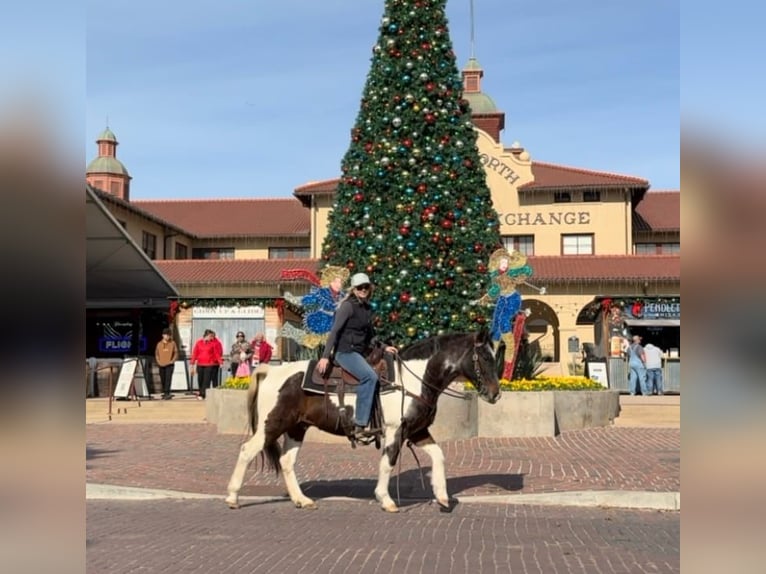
(252, 403)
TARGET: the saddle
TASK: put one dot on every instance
(339, 381)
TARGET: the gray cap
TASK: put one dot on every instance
(359, 279)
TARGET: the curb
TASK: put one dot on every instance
(600, 498)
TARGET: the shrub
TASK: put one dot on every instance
(543, 383)
(240, 383)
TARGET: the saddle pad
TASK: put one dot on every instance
(311, 385)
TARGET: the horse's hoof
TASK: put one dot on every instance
(306, 504)
(392, 508)
(232, 504)
(447, 506)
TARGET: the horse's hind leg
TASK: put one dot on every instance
(247, 453)
(290, 451)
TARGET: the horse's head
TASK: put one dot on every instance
(482, 371)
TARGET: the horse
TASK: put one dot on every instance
(278, 406)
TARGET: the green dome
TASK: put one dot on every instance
(107, 135)
(106, 164)
(481, 103)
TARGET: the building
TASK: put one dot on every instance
(593, 239)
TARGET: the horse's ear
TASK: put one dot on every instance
(483, 337)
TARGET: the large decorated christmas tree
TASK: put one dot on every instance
(413, 209)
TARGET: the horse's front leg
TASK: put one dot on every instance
(391, 452)
(291, 447)
(438, 472)
(247, 453)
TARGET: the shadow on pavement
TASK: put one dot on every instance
(408, 485)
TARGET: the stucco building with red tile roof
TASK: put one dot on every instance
(590, 236)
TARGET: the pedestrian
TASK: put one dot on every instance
(165, 355)
(654, 382)
(262, 352)
(206, 360)
(637, 366)
(351, 336)
(241, 353)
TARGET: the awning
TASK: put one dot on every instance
(118, 274)
(653, 322)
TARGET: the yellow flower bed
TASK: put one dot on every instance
(544, 383)
(241, 383)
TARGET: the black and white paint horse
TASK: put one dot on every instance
(278, 406)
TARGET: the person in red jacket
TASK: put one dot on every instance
(261, 356)
(206, 360)
(261, 350)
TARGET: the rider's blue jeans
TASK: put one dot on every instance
(355, 364)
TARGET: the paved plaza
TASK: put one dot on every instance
(595, 500)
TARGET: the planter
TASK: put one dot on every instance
(517, 414)
(227, 409)
(585, 409)
(455, 418)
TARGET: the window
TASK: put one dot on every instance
(149, 244)
(114, 187)
(289, 253)
(213, 253)
(182, 252)
(657, 248)
(591, 195)
(562, 197)
(580, 244)
(524, 244)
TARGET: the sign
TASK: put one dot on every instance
(498, 166)
(597, 371)
(128, 376)
(250, 312)
(180, 380)
(546, 218)
(655, 310)
(117, 337)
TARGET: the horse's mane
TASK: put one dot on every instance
(425, 348)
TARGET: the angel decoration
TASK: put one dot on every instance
(506, 271)
(318, 305)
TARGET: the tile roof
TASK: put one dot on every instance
(621, 268)
(553, 176)
(658, 211)
(200, 271)
(324, 187)
(547, 269)
(113, 199)
(547, 176)
(233, 217)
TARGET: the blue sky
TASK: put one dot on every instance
(249, 98)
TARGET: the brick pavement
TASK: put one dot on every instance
(204, 536)
(194, 458)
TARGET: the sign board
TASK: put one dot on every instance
(573, 344)
(221, 312)
(597, 371)
(127, 376)
(180, 380)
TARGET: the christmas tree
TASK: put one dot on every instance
(413, 209)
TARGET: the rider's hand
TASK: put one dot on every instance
(322, 365)
(391, 349)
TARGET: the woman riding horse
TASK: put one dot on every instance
(279, 407)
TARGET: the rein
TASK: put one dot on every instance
(446, 391)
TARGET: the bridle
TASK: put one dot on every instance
(445, 391)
